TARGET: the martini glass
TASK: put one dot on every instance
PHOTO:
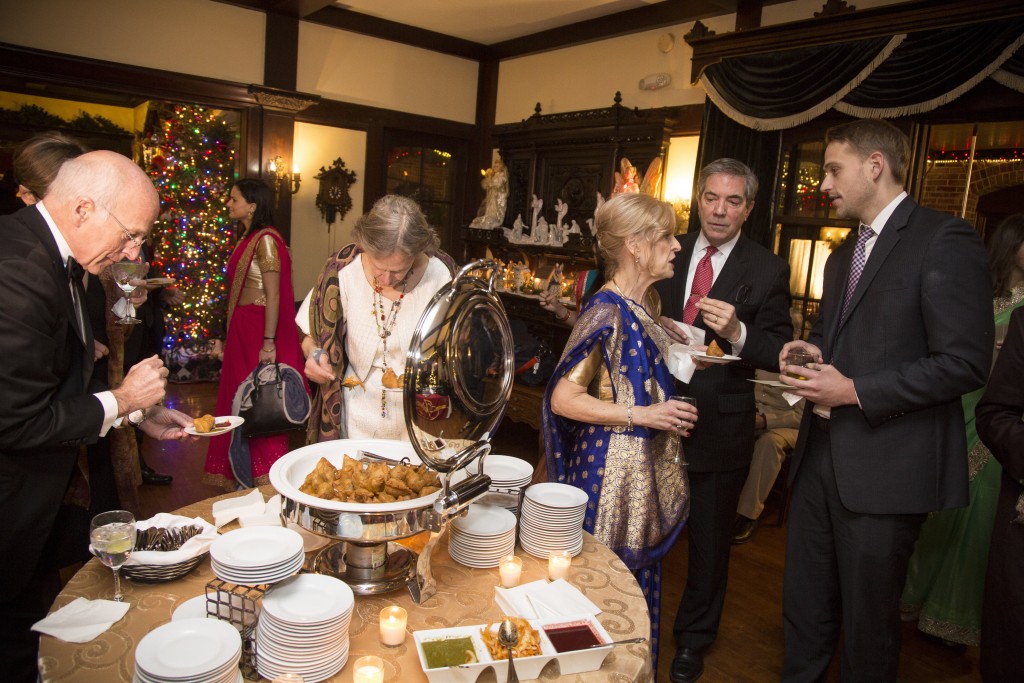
(129, 275)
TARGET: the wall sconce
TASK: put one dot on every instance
(277, 167)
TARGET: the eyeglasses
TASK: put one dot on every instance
(128, 237)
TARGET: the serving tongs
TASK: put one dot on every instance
(366, 455)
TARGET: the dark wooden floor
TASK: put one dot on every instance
(749, 646)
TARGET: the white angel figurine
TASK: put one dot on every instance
(574, 228)
(540, 231)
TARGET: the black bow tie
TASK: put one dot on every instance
(75, 270)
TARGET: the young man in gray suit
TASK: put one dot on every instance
(905, 330)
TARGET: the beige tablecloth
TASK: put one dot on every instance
(465, 596)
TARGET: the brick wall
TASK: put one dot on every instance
(943, 188)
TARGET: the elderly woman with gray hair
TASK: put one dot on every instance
(396, 268)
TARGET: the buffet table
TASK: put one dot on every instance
(465, 596)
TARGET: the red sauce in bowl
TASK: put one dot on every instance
(569, 637)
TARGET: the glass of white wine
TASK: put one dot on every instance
(112, 536)
(129, 275)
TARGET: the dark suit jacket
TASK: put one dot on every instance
(1000, 427)
(756, 282)
(45, 414)
(917, 336)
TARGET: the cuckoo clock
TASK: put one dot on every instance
(333, 199)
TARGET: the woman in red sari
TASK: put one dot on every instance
(260, 327)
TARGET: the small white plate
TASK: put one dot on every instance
(485, 520)
(256, 547)
(189, 647)
(555, 495)
(309, 599)
(233, 420)
(701, 356)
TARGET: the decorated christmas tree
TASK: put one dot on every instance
(189, 153)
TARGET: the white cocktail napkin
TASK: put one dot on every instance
(543, 600)
(694, 334)
(680, 362)
(269, 516)
(197, 545)
(229, 510)
(81, 620)
(791, 399)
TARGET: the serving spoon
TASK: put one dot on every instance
(508, 635)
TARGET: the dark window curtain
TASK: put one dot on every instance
(782, 84)
(1011, 73)
(932, 68)
(878, 78)
(723, 137)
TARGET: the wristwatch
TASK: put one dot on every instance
(136, 417)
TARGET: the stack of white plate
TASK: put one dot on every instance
(199, 650)
(303, 628)
(256, 555)
(552, 519)
(508, 476)
(484, 535)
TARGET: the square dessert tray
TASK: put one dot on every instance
(528, 668)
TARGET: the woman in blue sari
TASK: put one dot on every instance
(609, 426)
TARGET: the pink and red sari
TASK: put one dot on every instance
(242, 355)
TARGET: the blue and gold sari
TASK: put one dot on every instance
(638, 494)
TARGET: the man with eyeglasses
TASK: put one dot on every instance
(46, 409)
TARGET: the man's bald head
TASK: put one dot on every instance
(98, 199)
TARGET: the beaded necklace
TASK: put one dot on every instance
(385, 324)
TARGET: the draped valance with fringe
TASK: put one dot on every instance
(873, 78)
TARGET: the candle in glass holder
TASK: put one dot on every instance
(510, 569)
(392, 625)
(368, 670)
(558, 564)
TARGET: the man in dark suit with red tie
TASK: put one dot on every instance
(97, 211)
(737, 292)
(905, 330)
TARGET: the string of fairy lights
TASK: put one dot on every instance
(190, 156)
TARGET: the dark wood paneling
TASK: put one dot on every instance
(362, 117)
(483, 142)
(281, 52)
(25, 64)
(907, 17)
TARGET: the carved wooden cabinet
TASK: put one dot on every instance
(566, 157)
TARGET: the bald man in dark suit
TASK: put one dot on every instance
(98, 210)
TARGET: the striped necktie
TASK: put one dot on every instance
(857, 265)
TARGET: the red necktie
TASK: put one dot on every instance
(702, 280)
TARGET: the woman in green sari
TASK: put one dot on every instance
(946, 577)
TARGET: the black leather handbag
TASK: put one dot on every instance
(273, 401)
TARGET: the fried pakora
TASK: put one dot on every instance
(204, 424)
(359, 481)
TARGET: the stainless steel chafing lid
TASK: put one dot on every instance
(459, 370)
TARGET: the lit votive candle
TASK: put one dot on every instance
(558, 564)
(368, 670)
(392, 625)
(510, 569)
